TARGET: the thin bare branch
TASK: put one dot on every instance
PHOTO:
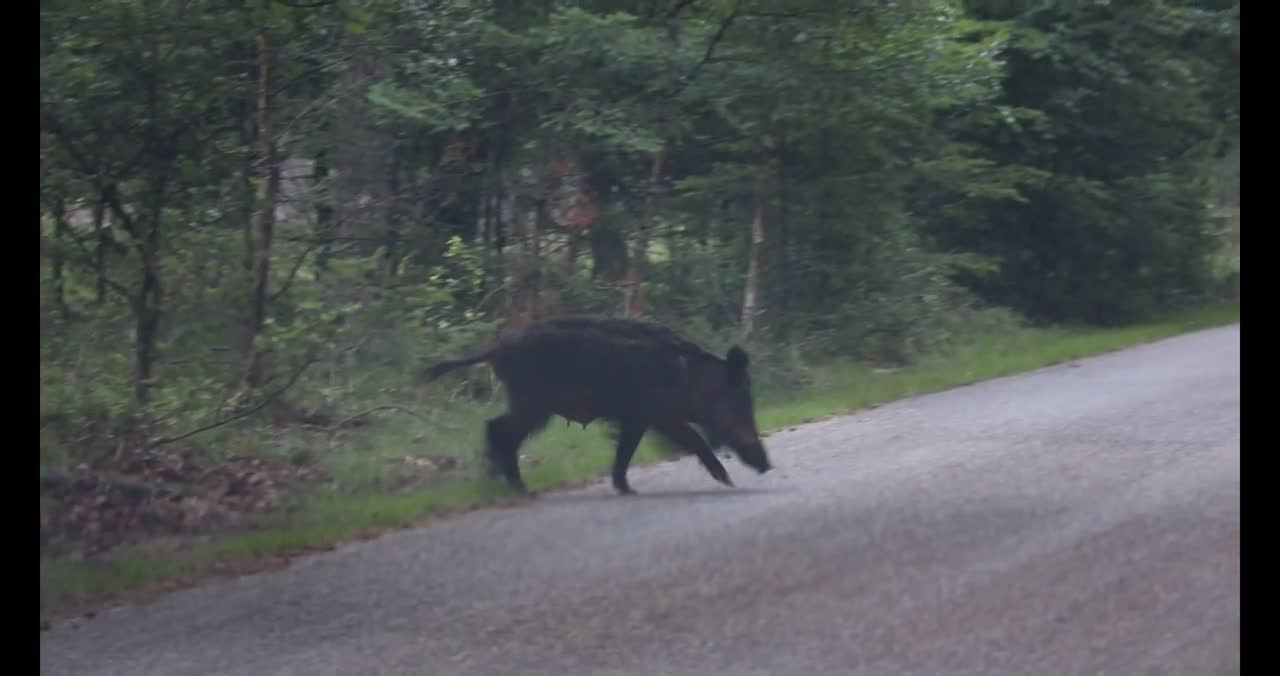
(337, 426)
(293, 273)
(243, 414)
(89, 262)
(307, 5)
(725, 24)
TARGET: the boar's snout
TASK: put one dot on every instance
(754, 456)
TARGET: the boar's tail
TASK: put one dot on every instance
(451, 364)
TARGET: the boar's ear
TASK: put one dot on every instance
(736, 365)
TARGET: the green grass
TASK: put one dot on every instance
(848, 386)
(364, 463)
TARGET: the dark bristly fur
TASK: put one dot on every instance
(636, 375)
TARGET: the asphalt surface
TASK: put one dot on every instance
(1080, 519)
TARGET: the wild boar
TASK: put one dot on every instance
(636, 375)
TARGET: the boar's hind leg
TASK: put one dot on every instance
(685, 437)
(505, 434)
(628, 439)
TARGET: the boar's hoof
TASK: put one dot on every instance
(722, 476)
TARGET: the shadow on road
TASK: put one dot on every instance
(608, 494)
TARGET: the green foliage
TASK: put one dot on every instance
(1125, 96)
(450, 109)
(922, 168)
(568, 455)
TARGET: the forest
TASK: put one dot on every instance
(261, 220)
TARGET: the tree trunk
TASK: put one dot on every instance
(528, 271)
(148, 302)
(324, 209)
(262, 240)
(487, 214)
(571, 253)
(499, 234)
(633, 281)
(784, 242)
(146, 326)
(632, 293)
(677, 245)
(751, 294)
(391, 254)
(246, 192)
(750, 304)
(539, 226)
(503, 295)
(102, 240)
(56, 263)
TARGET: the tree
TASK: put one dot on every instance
(1117, 112)
(133, 99)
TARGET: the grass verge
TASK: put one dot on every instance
(565, 457)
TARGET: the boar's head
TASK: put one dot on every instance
(725, 408)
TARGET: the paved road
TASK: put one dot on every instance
(1081, 519)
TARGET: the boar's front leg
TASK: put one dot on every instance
(628, 439)
(685, 437)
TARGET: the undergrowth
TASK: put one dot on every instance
(417, 460)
